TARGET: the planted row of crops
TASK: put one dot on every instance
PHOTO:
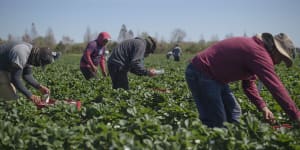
(157, 113)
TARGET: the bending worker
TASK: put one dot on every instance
(16, 61)
(245, 59)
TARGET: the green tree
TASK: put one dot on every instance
(50, 39)
(177, 36)
(123, 33)
(34, 33)
(39, 42)
(26, 37)
(61, 47)
(88, 35)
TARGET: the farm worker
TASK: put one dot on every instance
(16, 61)
(245, 59)
(176, 52)
(127, 57)
(93, 55)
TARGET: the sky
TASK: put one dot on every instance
(159, 18)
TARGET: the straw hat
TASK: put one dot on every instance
(285, 47)
(283, 44)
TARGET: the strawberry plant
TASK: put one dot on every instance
(157, 113)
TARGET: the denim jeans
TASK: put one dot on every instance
(215, 102)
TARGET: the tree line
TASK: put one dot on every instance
(67, 44)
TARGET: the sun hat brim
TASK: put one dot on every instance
(282, 44)
(287, 58)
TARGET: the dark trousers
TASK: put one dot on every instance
(118, 76)
(215, 102)
(176, 58)
(88, 73)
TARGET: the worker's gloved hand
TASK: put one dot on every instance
(152, 72)
(268, 115)
(44, 89)
(35, 99)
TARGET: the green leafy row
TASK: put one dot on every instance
(157, 113)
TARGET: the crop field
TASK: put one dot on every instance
(156, 113)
